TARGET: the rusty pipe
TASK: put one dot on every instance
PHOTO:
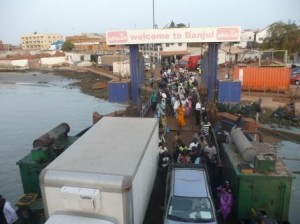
(49, 138)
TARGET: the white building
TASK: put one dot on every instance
(262, 34)
(247, 39)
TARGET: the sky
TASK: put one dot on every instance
(72, 17)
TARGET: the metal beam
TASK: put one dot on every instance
(212, 71)
(134, 76)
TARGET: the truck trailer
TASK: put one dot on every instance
(106, 176)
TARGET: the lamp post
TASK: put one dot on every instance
(153, 15)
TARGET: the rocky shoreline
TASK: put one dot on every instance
(87, 79)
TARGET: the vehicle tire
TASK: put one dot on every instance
(297, 82)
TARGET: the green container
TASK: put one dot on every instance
(30, 171)
(40, 154)
(265, 163)
(33, 163)
(269, 191)
(33, 213)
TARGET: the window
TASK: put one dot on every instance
(180, 44)
(167, 45)
(189, 209)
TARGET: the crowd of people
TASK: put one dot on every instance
(178, 96)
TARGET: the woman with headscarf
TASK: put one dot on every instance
(226, 200)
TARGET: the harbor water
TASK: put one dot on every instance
(32, 104)
(290, 153)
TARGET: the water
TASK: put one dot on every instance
(290, 153)
(30, 105)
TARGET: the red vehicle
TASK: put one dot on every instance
(295, 79)
(190, 62)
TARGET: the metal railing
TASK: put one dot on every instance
(145, 108)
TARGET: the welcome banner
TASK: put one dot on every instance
(174, 35)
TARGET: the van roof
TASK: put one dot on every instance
(190, 182)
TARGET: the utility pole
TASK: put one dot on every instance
(153, 14)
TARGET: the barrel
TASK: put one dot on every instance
(247, 150)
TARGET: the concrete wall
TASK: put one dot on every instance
(77, 57)
(13, 64)
(53, 60)
(3, 54)
(5, 64)
(20, 63)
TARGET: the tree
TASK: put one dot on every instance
(181, 25)
(283, 36)
(67, 46)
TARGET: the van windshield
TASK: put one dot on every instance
(187, 209)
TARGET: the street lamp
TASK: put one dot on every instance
(153, 15)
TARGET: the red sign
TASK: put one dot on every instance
(227, 33)
(117, 37)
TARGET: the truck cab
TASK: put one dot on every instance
(190, 62)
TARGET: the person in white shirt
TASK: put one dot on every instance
(194, 143)
(211, 151)
(198, 112)
(8, 211)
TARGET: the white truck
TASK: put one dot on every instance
(106, 176)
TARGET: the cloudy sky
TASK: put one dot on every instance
(68, 17)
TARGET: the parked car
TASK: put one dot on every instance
(188, 196)
(295, 78)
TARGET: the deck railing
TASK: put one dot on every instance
(145, 108)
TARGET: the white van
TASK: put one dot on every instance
(188, 196)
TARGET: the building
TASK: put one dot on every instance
(247, 39)
(262, 34)
(56, 45)
(165, 53)
(158, 52)
(1, 46)
(92, 43)
(39, 41)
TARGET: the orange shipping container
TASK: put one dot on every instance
(263, 78)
